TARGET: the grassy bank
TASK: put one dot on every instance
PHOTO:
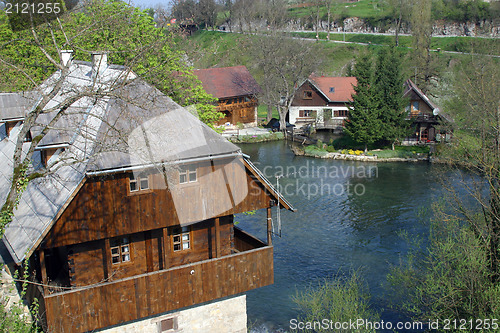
(257, 138)
(405, 152)
(219, 49)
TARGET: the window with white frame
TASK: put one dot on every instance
(120, 250)
(138, 183)
(188, 174)
(181, 239)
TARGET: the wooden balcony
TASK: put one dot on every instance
(111, 303)
(235, 106)
(422, 117)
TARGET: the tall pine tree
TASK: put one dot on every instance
(389, 87)
(364, 124)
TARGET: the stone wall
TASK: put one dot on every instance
(222, 316)
(357, 25)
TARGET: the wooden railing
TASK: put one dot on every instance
(120, 301)
(243, 241)
(230, 107)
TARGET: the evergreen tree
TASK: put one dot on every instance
(389, 86)
(364, 124)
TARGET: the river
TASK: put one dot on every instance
(349, 216)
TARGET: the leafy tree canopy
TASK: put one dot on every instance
(129, 36)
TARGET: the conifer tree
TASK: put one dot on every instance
(389, 87)
(364, 124)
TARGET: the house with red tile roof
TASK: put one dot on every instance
(322, 100)
(236, 91)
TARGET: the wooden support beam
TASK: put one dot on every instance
(149, 251)
(166, 248)
(107, 259)
(217, 237)
(269, 227)
(43, 270)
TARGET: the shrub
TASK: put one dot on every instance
(338, 299)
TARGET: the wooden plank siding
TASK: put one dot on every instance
(317, 99)
(91, 261)
(149, 294)
(239, 111)
(104, 208)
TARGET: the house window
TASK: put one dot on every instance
(332, 89)
(307, 113)
(415, 105)
(181, 239)
(187, 174)
(308, 94)
(120, 250)
(167, 325)
(138, 183)
(340, 113)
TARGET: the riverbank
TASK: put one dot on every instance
(256, 138)
(357, 155)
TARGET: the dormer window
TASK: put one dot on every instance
(28, 137)
(46, 154)
(187, 174)
(9, 125)
(138, 183)
(332, 89)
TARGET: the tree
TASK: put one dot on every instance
(281, 64)
(363, 123)
(401, 13)
(130, 38)
(274, 12)
(389, 86)
(421, 26)
(458, 274)
(207, 13)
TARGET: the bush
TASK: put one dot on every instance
(338, 299)
(314, 151)
(452, 279)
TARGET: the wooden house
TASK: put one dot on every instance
(322, 101)
(132, 229)
(424, 114)
(236, 91)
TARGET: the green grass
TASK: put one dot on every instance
(315, 151)
(218, 49)
(398, 152)
(455, 44)
(258, 138)
(262, 111)
(345, 143)
(362, 8)
(403, 152)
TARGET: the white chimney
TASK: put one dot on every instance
(66, 57)
(99, 63)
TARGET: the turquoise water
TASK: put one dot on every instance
(349, 216)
